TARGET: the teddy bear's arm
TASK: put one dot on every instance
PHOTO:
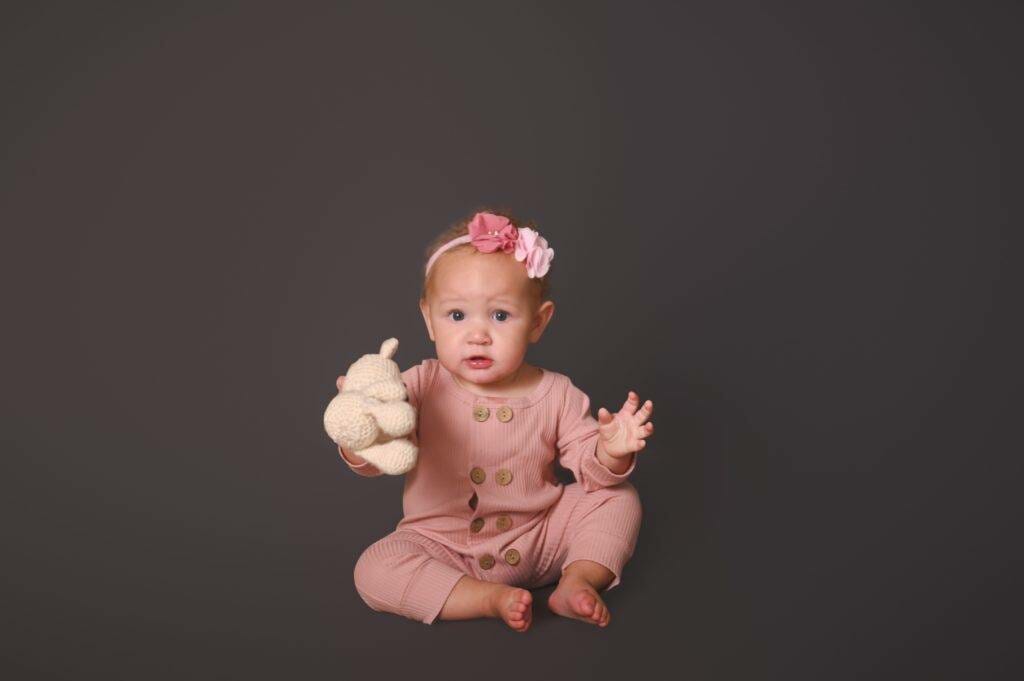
(386, 391)
(396, 419)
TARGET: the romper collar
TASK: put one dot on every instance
(539, 391)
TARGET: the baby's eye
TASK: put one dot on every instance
(498, 314)
(456, 315)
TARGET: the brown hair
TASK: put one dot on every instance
(541, 286)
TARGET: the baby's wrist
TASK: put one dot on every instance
(616, 464)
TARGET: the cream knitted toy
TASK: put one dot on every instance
(371, 415)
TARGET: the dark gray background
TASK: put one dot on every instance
(789, 225)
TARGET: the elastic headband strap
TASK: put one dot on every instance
(464, 239)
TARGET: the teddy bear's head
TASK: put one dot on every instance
(374, 368)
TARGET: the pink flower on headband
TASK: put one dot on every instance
(533, 248)
(490, 233)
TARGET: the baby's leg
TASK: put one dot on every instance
(602, 534)
(407, 574)
(413, 576)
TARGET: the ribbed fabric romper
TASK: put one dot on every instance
(483, 499)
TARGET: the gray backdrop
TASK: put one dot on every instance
(787, 224)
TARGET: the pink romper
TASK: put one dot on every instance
(483, 499)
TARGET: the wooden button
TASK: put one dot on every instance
(472, 501)
(476, 525)
(480, 412)
(505, 414)
(512, 557)
(487, 561)
(477, 475)
(504, 522)
(504, 476)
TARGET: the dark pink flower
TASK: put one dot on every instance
(492, 233)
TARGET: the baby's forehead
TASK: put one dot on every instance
(484, 279)
(467, 292)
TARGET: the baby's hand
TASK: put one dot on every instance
(623, 433)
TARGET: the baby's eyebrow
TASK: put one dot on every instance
(506, 301)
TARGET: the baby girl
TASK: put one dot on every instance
(485, 518)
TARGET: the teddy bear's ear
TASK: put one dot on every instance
(389, 347)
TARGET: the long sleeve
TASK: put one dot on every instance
(365, 469)
(577, 443)
(414, 379)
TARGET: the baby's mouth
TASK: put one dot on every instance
(479, 362)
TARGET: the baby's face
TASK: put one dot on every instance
(481, 305)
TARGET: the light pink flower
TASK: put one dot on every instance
(533, 248)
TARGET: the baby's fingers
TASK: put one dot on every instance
(644, 412)
(631, 403)
(640, 432)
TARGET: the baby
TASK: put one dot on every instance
(485, 518)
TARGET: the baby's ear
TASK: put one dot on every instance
(341, 379)
(541, 320)
(425, 311)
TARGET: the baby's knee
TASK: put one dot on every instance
(363, 575)
(372, 575)
(626, 495)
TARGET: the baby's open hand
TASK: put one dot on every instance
(623, 433)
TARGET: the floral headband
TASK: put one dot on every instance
(489, 233)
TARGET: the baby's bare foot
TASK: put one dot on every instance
(575, 597)
(514, 605)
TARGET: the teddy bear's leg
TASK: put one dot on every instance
(396, 419)
(392, 457)
(347, 423)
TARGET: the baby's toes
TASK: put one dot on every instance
(584, 603)
(517, 610)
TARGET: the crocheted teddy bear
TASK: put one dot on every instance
(371, 415)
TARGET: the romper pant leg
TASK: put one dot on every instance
(407, 574)
(601, 526)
